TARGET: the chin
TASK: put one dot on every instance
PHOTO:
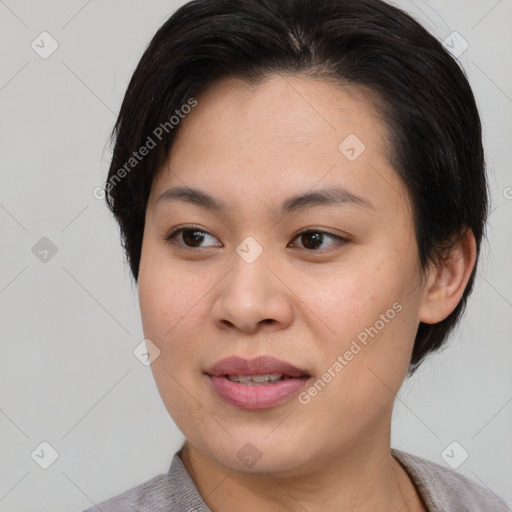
(257, 454)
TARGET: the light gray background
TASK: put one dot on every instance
(68, 375)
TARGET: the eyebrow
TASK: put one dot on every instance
(332, 196)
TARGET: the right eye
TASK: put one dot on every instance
(190, 237)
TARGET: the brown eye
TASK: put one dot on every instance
(313, 240)
(190, 237)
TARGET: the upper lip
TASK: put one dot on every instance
(258, 366)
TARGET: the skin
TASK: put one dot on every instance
(252, 147)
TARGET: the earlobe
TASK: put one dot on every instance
(446, 282)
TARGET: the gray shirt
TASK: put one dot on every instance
(442, 490)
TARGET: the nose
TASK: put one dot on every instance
(253, 296)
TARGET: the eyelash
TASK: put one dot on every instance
(173, 234)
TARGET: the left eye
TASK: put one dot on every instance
(313, 240)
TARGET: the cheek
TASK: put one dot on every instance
(166, 299)
(351, 297)
(170, 305)
(174, 310)
(371, 316)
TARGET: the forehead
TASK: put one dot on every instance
(285, 133)
(293, 108)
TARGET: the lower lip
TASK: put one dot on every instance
(252, 397)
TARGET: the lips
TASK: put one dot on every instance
(258, 383)
(262, 365)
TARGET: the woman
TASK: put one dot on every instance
(301, 193)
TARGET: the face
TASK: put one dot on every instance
(327, 283)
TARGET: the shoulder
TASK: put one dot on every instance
(445, 490)
(151, 495)
(171, 492)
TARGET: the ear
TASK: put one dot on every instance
(447, 281)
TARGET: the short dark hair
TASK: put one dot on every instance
(423, 94)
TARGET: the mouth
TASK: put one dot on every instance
(258, 380)
(257, 367)
(259, 383)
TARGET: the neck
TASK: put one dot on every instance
(359, 479)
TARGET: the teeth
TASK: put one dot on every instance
(256, 380)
